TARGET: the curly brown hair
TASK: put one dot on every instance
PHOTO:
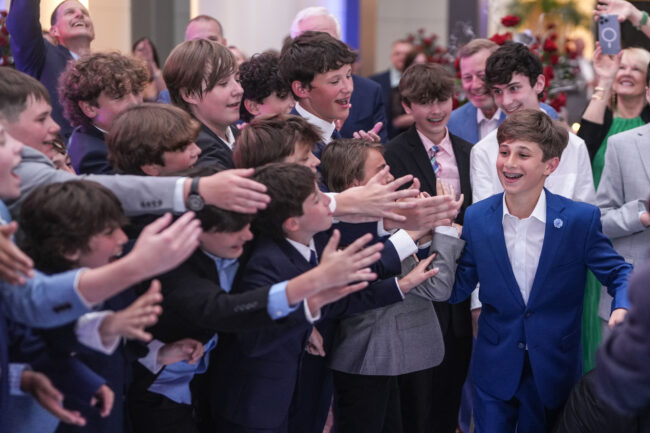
(88, 77)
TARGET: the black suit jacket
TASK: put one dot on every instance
(213, 149)
(405, 154)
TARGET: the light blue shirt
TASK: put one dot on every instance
(173, 382)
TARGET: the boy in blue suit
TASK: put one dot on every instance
(530, 251)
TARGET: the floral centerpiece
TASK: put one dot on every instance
(5, 49)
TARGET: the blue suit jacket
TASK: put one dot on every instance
(43, 301)
(549, 325)
(383, 79)
(35, 56)
(256, 373)
(367, 108)
(88, 151)
(462, 122)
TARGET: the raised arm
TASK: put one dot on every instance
(27, 43)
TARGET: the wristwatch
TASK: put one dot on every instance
(194, 200)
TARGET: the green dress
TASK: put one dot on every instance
(591, 323)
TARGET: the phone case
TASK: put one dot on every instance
(609, 34)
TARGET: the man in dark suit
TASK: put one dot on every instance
(389, 81)
(367, 104)
(429, 152)
(70, 25)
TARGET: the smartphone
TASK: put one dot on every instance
(609, 34)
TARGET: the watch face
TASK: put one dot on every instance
(195, 202)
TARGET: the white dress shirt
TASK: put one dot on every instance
(485, 125)
(571, 179)
(524, 240)
(325, 128)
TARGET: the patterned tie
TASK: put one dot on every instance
(433, 151)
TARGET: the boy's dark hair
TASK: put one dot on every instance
(343, 162)
(511, 58)
(425, 83)
(288, 185)
(259, 78)
(313, 53)
(61, 218)
(214, 219)
(143, 133)
(84, 80)
(535, 126)
(196, 67)
(16, 88)
(271, 139)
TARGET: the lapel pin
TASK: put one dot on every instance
(557, 223)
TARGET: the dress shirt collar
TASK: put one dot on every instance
(304, 250)
(221, 263)
(395, 76)
(539, 213)
(445, 143)
(326, 128)
(480, 116)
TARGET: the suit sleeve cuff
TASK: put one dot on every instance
(399, 289)
(403, 244)
(87, 332)
(278, 304)
(77, 277)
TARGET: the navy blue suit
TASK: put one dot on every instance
(383, 79)
(541, 338)
(256, 373)
(35, 56)
(367, 109)
(213, 149)
(88, 151)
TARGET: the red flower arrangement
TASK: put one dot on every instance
(501, 39)
(5, 49)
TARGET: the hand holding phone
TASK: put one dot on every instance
(609, 34)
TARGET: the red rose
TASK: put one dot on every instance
(554, 59)
(4, 30)
(3, 61)
(3, 14)
(549, 73)
(3, 41)
(454, 103)
(500, 39)
(510, 20)
(410, 38)
(558, 102)
(553, 36)
(431, 59)
(549, 45)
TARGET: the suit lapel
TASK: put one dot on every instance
(462, 164)
(554, 234)
(494, 228)
(294, 256)
(641, 143)
(421, 161)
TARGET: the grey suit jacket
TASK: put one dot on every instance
(622, 195)
(403, 337)
(138, 194)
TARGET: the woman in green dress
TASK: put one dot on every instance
(617, 104)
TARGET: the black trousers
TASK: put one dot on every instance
(155, 413)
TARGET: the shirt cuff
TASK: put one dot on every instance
(381, 231)
(474, 302)
(15, 375)
(87, 332)
(399, 289)
(150, 362)
(403, 244)
(311, 319)
(447, 230)
(178, 204)
(278, 306)
(87, 304)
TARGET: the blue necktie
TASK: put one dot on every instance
(312, 258)
(433, 151)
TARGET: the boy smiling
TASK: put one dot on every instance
(530, 250)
